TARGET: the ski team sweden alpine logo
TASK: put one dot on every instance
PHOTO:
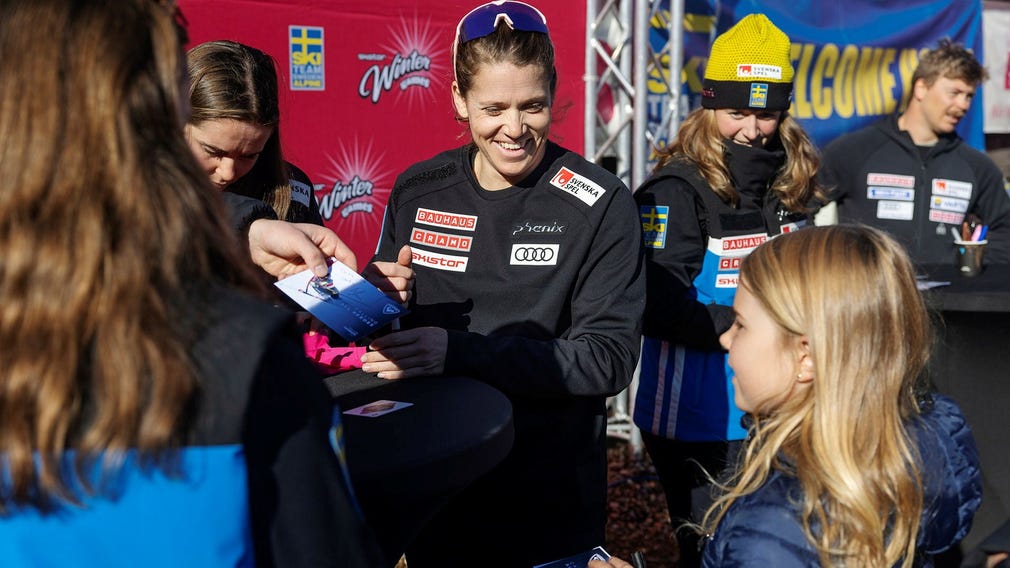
(579, 186)
(305, 45)
(758, 95)
(654, 224)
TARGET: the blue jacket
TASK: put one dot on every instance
(694, 245)
(764, 529)
(258, 481)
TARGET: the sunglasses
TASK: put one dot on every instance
(484, 19)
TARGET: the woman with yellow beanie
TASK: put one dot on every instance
(740, 172)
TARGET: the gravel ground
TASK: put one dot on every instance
(638, 519)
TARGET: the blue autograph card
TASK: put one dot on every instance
(580, 560)
(343, 300)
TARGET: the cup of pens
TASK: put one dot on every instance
(969, 246)
(969, 256)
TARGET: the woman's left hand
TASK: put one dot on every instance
(404, 354)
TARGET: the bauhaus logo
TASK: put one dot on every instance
(531, 254)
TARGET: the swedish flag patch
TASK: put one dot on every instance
(654, 219)
(758, 95)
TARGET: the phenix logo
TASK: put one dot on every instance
(412, 64)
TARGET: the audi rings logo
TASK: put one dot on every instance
(534, 254)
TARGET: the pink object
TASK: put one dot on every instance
(330, 360)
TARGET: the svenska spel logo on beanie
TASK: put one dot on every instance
(749, 67)
(758, 71)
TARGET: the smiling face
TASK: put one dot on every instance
(944, 103)
(227, 149)
(764, 360)
(747, 127)
(508, 109)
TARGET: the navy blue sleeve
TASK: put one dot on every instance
(242, 210)
(952, 482)
(303, 512)
(672, 311)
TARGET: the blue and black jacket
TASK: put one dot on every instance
(258, 482)
(694, 244)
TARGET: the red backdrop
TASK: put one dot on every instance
(365, 89)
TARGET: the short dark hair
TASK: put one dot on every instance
(950, 60)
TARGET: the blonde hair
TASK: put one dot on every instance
(851, 292)
(110, 239)
(699, 142)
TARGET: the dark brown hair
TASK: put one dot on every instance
(109, 235)
(230, 80)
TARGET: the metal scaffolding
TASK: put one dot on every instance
(633, 55)
(632, 66)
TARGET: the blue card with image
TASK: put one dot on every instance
(343, 300)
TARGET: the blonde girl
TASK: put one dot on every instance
(849, 462)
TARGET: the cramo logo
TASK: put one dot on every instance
(342, 193)
(378, 79)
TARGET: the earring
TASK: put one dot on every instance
(799, 376)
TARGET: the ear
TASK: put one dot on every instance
(805, 374)
(919, 89)
(459, 102)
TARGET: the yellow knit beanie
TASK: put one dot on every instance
(749, 67)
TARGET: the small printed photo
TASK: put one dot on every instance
(378, 408)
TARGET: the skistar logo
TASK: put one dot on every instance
(439, 261)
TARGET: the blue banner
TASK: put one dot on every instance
(854, 59)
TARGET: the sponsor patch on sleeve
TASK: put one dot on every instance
(654, 219)
(580, 186)
(952, 188)
(896, 210)
(300, 192)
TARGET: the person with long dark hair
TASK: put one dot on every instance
(152, 409)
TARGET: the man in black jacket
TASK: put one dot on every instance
(911, 175)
